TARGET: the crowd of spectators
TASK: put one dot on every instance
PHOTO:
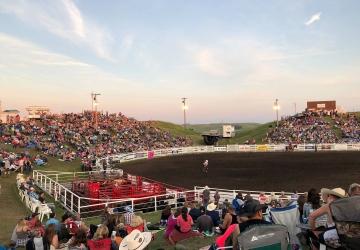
(68, 136)
(212, 217)
(315, 127)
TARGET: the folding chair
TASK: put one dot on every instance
(289, 217)
(44, 210)
(264, 237)
(346, 215)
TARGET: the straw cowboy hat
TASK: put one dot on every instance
(135, 240)
(339, 192)
(211, 207)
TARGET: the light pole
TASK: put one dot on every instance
(184, 107)
(276, 107)
(95, 103)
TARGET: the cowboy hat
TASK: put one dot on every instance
(250, 208)
(135, 240)
(129, 209)
(338, 192)
(211, 207)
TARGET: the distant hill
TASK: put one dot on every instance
(179, 130)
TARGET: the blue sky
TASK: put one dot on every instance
(230, 58)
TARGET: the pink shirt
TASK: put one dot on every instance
(185, 226)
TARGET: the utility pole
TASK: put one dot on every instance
(94, 104)
(276, 108)
(184, 109)
(295, 107)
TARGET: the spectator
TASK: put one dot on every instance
(204, 223)
(100, 241)
(354, 189)
(229, 219)
(312, 203)
(238, 202)
(252, 209)
(78, 242)
(329, 237)
(51, 239)
(195, 212)
(129, 215)
(262, 198)
(206, 196)
(184, 231)
(171, 223)
(55, 221)
(211, 211)
(165, 214)
(216, 198)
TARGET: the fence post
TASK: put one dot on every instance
(155, 204)
(57, 177)
(45, 184)
(72, 202)
(234, 194)
(132, 204)
(79, 206)
(176, 200)
(65, 200)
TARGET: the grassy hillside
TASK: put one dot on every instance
(239, 127)
(178, 130)
(247, 131)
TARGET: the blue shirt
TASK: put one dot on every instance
(53, 221)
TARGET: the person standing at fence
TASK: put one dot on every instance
(129, 215)
(206, 196)
(205, 166)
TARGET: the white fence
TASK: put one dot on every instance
(119, 158)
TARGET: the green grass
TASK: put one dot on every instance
(12, 209)
(239, 127)
(258, 133)
(178, 130)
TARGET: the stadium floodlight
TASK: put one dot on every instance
(276, 107)
(184, 107)
(95, 104)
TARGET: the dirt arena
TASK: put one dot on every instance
(254, 171)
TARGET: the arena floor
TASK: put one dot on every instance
(254, 171)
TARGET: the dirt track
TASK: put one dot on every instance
(254, 171)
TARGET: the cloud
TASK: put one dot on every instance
(207, 62)
(63, 19)
(314, 18)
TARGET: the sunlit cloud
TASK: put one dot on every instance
(63, 19)
(314, 18)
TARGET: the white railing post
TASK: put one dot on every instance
(72, 202)
(132, 204)
(176, 200)
(65, 198)
(155, 204)
(79, 206)
(234, 194)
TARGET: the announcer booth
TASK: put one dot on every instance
(325, 106)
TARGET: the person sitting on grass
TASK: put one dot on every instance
(171, 223)
(194, 212)
(165, 214)
(215, 216)
(204, 223)
(183, 229)
(100, 241)
(78, 241)
(229, 219)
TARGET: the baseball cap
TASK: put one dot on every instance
(250, 208)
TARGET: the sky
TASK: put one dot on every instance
(231, 58)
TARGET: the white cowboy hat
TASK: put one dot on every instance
(211, 207)
(129, 209)
(135, 240)
(339, 192)
(206, 187)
